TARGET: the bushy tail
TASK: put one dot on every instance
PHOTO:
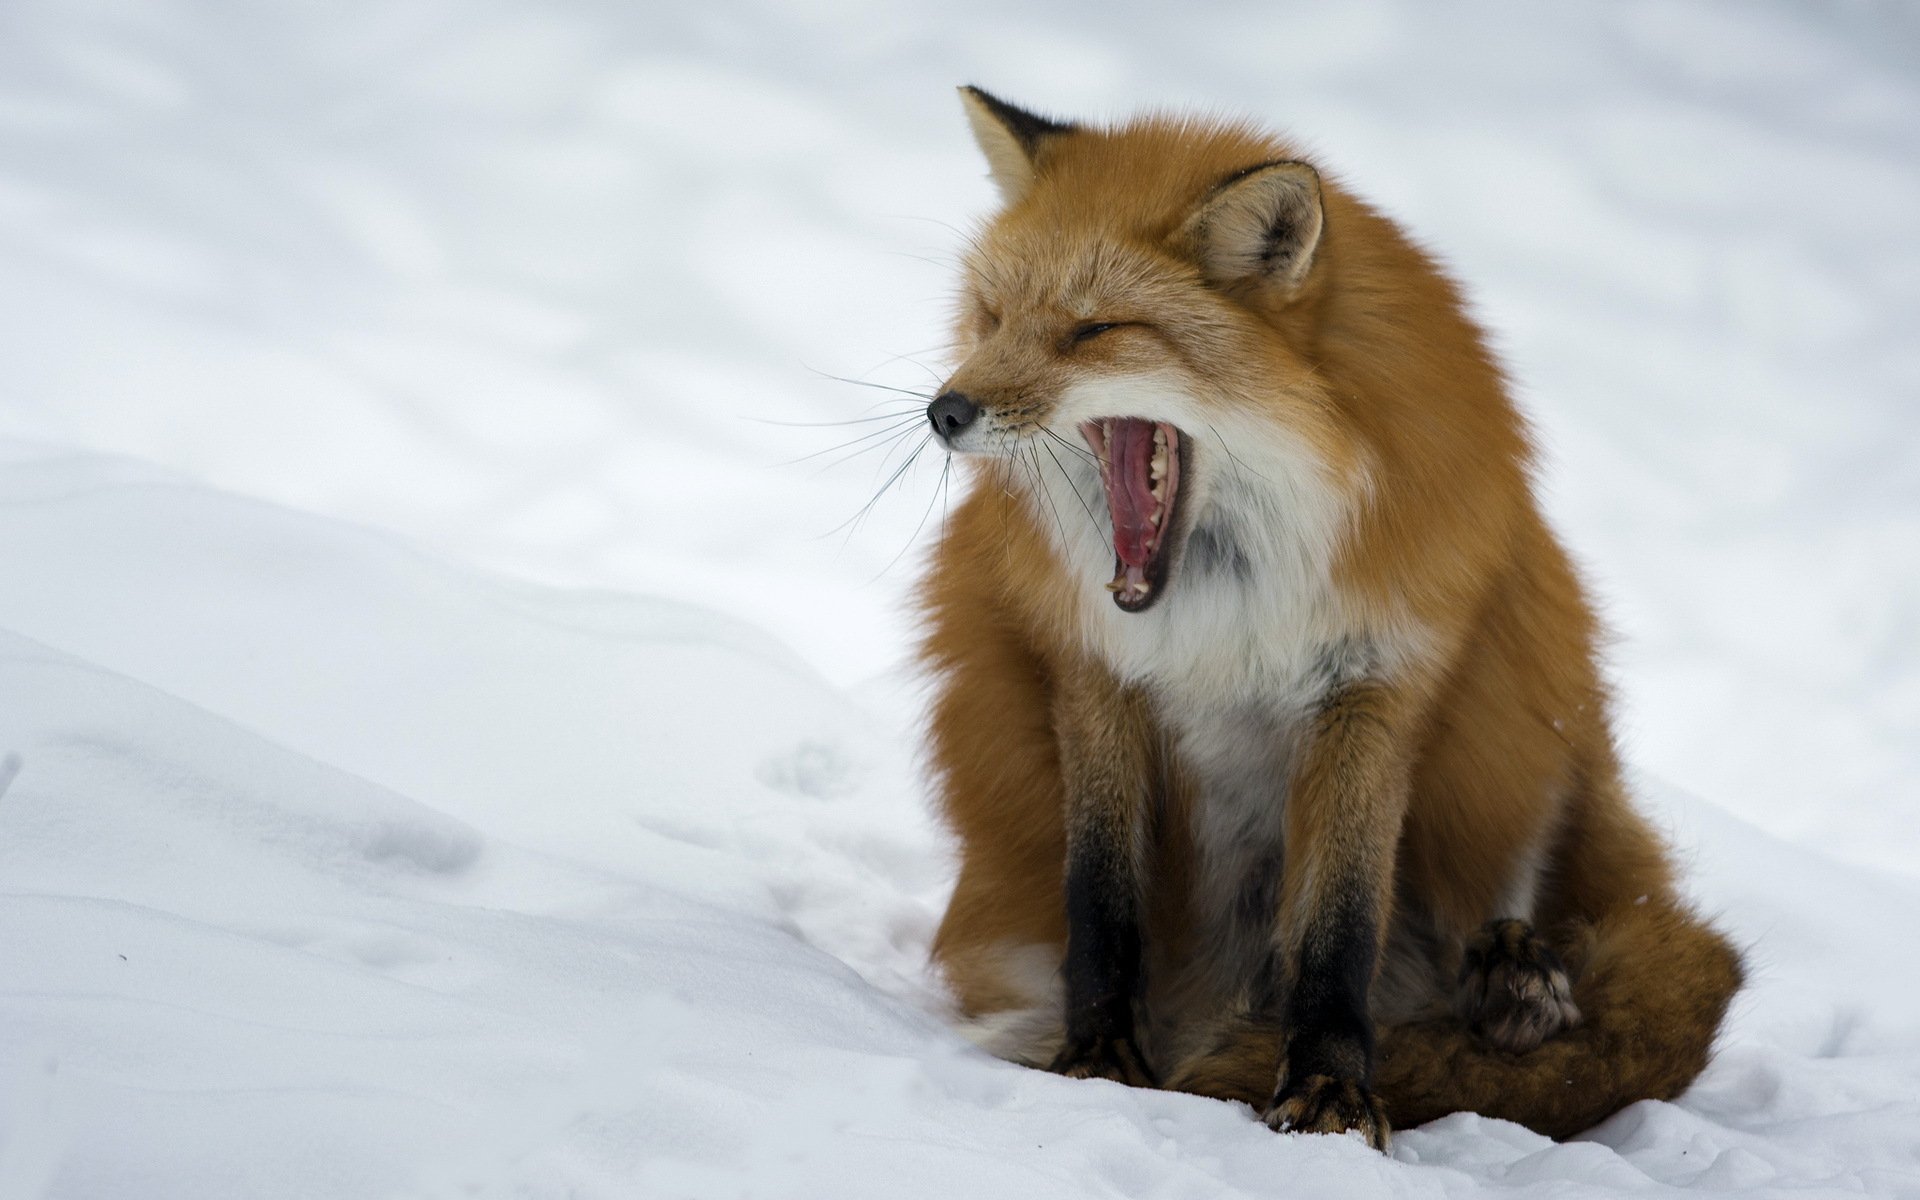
(1653, 983)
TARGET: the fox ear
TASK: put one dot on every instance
(1010, 138)
(1262, 223)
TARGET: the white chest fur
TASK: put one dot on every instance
(1250, 614)
(1248, 637)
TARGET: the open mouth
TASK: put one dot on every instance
(1140, 470)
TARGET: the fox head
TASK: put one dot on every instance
(1136, 332)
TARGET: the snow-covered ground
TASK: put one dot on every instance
(332, 870)
(343, 854)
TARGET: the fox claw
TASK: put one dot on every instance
(1105, 1057)
(1323, 1104)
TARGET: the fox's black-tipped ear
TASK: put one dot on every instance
(1260, 224)
(1010, 137)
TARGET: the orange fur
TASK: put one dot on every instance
(1465, 751)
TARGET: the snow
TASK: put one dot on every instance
(440, 755)
(335, 870)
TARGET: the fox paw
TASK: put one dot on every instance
(1323, 1104)
(1513, 993)
(1114, 1057)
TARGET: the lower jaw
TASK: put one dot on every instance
(1135, 589)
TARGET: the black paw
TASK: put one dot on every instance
(1323, 1104)
(1114, 1057)
(1514, 993)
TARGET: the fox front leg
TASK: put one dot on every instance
(1344, 813)
(1107, 765)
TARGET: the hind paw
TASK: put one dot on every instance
(1323, 1104)
(1514, 992)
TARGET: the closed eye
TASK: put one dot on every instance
(1094, 329)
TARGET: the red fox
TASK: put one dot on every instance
(1267, 714)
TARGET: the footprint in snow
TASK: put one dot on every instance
(818, 770)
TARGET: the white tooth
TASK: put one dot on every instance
(1142, 588)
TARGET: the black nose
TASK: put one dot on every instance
(951, 412)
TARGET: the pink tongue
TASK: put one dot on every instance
(1130, 488)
